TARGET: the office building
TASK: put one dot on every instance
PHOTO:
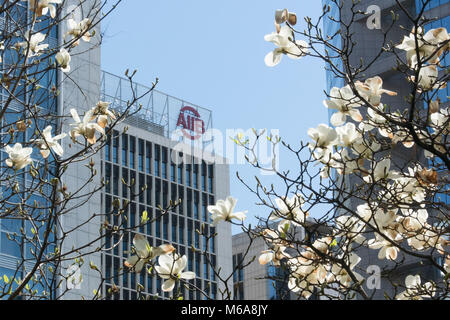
(146, 154)
(367, 43)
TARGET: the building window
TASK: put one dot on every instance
(195, 176)
(164, 163)
(174, 228)
(181, 196)
(172, 172)
(116, 148)
(188, 175)
(157, 160)
(148, 156)
(180, 174)
(204, 206)
(196, 211)
(124, 150)
(141, 155)
(108, 148)
(108, 178)
(132, 151)
(210, 178)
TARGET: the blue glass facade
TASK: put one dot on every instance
(14, 229)
(444, 93)
(331, 27)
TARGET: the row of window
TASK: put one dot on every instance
(153, 158)
(149, 190)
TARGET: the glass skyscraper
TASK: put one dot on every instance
(367, 44)
(16, 258)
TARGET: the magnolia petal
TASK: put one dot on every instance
(188, 275)
(272, 58)
(168, 285)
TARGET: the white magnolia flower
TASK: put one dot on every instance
(47, 141)
(284, 40)
(341, 275)
(388, 249)
(171, 268)
(348, 135)
(306, 271)
(18, 157)
(223, 210)
(428, 78)
(32, 44)
(323, 136)
(101, 110)
(413, 220)
(85, 128)
(63, 58)
(372, 90)
(344, 101)
(290, 209)
(430, 46)
(145, 253)
(79, 29)
(440, 120)
(381, 170)
(42, 7)
(415, 290)
(278, 245)
(351, 228)
(426, 238)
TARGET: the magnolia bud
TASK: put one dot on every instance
(21, 126)
(281, 16)
(292, 18)
(434, 106)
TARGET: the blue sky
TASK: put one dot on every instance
(212, 54)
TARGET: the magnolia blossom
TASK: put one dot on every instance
(351, 228)
(381, 170)
(440, 120)
(47, 142)
(340, 274)
(284, 40)
(42, 7)
(101, 110)
(79, 29)
(85, 128)
(430, 46)
(171, 268)
(344, 101)
(145, 253)
(223, 210)
(348, 135)
(415, 290)
(18, 157)
(388, 250)
(63, 58)
(428, 78)
(290, 209)
(306, 271)
(32, 45)
(323, 136)
(372, 90)
(279, 246)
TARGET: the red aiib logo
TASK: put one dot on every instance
(189, 120)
